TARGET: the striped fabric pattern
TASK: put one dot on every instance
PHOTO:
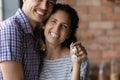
(61, 69)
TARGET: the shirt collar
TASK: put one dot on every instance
(23, 21)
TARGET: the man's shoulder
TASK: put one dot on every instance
(17, 22)
(11, 21)
(8, 23)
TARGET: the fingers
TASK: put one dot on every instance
(76, 43)
(81, 51)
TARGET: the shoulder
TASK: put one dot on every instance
(11, 21)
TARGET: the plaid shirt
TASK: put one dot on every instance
(17, 43)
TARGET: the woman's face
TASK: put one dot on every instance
(57, 28)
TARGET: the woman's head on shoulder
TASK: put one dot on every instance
(65, 16)
(74, 21)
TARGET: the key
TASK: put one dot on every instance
(74, 57)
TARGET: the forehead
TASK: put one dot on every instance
(61, 16)
(61, 13)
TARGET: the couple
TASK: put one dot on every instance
(19, 54)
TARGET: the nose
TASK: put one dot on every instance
(57, 27)
(43, 5)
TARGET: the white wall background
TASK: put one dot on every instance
(1, 16)
(10, 7)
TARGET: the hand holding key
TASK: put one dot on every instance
(74, 56)
(77, 51)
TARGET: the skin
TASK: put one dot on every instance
(76, 64)
(36, 11)
(11, 70)
(57, 28)
(56, 31)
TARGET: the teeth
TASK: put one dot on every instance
(54, 35)
(39, 12)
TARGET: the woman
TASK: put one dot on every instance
(59, 31)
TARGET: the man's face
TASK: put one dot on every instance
(38, 11)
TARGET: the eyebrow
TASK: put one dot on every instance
(54, 18)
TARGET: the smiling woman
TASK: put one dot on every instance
(59, 33)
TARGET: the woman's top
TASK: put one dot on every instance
(61, 69)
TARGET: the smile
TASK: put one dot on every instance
(39, 12)
(54, 35)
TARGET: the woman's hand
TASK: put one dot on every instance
(78, 52)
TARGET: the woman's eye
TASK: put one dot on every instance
(53, 21)
(65, 26)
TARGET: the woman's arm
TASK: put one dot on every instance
(75, 72)
(11, 70)
(80, 54)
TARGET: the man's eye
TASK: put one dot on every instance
(51, 3)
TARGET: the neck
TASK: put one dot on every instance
(55, 52)
(34, 25)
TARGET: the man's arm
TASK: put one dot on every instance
(11, 70)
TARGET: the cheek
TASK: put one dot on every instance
(45, 33)
(48, 26)
(46, 29)
(66, 34)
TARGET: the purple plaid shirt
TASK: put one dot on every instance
(17, 43)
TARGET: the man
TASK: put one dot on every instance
(19, 56)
